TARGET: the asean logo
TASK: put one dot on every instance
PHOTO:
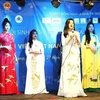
(7, 5)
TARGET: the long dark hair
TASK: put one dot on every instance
(5, 21)
(87, 33)
(67, 26)
(30, 37)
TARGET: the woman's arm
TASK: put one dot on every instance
(27, 49)
(97, 42)
(6, 47)
(95, 46)
(16, 60)
(69, 38)
(65, 41)
(77, 37)
(41, 51)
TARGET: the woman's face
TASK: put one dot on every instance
(91, 28)
(7, 27)
(71, 25)
(34, 36)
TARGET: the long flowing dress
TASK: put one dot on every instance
(35, 79)
(90, 65)
(70, 79)
(8, 83)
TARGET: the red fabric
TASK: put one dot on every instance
(8, 83)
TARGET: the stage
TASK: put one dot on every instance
(49, 96)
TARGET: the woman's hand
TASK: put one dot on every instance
(71, 36)
(75, 35)
(8, 47)
(93, 49)
(87, 47)
(77, 39)
(16, 60)
(35, 53)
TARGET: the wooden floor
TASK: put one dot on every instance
(49, 96)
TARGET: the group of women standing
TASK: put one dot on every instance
(35, 78)
(70, 79)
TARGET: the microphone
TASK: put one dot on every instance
(73, 32)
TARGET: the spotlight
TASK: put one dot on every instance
(88, 4)
(20, 3)
(56, 3)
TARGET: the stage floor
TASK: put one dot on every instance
(49, 96)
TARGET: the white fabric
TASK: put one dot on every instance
(35, 79)
(70, 80)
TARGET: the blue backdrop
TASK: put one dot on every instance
(49, 22)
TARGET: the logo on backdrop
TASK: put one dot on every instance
(18, 18)
(95, 20)
(7, 5)
(83, 20)
(51, 20)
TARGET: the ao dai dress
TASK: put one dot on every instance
(35, 78)
(8, 83)
(70, 79)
